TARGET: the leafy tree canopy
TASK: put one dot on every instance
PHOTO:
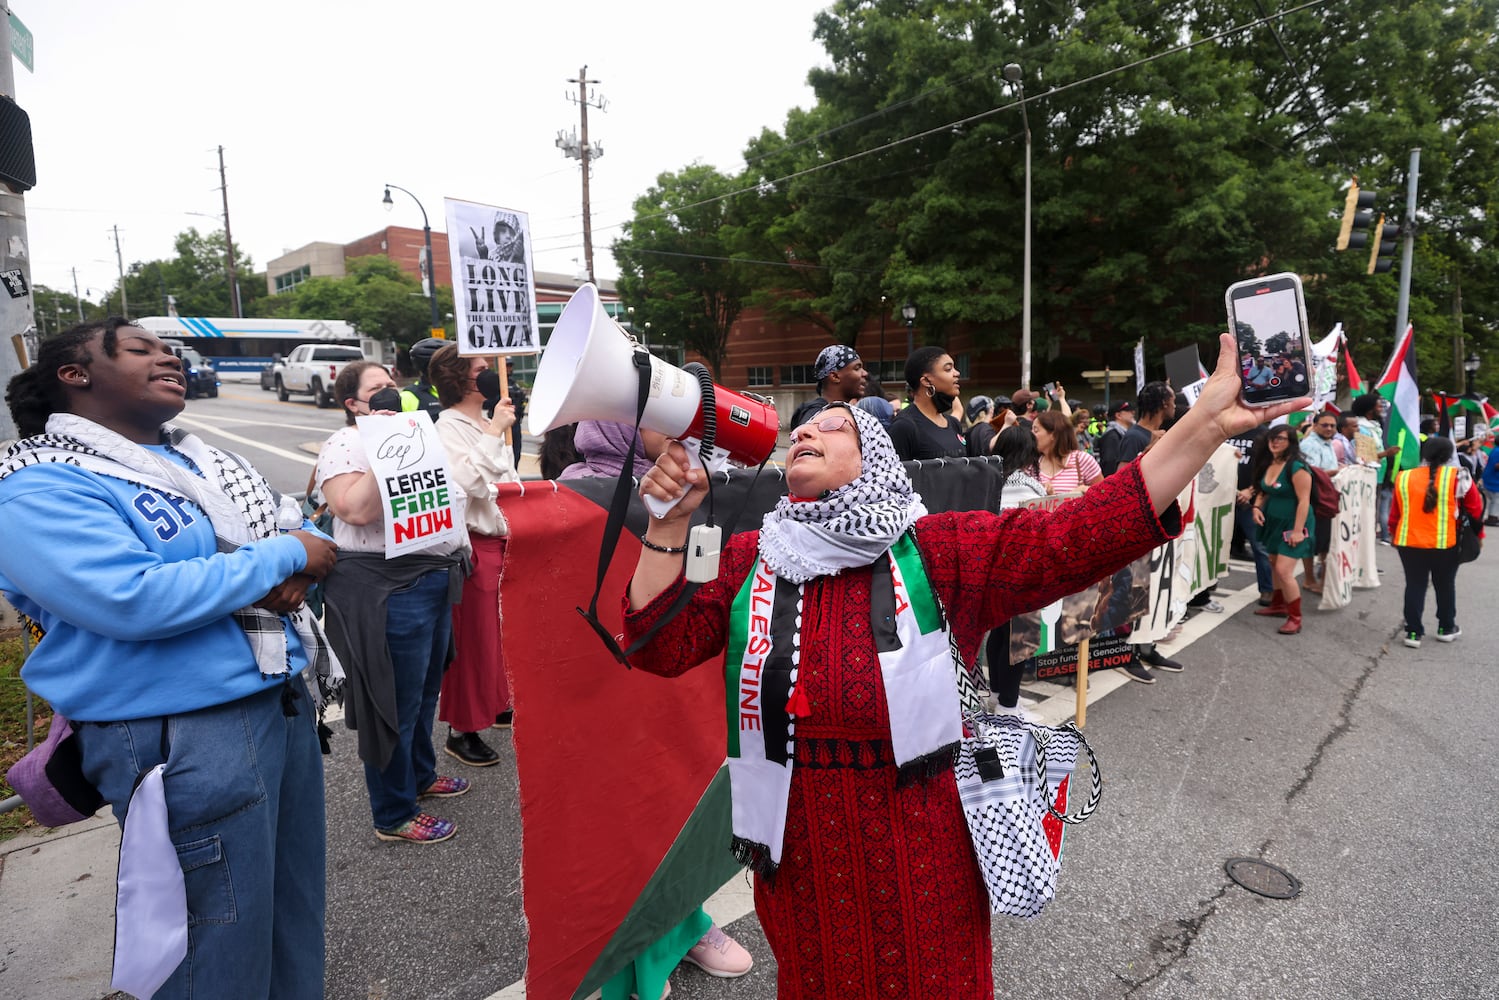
(1160, 174)
(375, 295)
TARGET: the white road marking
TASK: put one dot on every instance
(272, 449)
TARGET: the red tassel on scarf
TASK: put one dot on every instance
(798, 705)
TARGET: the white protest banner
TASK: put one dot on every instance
(1325, 368)
(494, 285)
(421, 507)
(1213, 520)
(1350, 557)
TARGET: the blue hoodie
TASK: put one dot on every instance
(133, 594)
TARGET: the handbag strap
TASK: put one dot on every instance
(1095, 791)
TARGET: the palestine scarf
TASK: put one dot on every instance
(239, 504)
(866, 523)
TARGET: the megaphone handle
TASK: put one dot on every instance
(660, 508)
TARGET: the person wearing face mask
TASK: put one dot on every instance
(927, 428)
(846, 708)
(422, 394)
(390, 622)
(475, 694)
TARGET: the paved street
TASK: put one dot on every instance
(1366, 769)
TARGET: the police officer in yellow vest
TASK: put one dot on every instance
(1424, 528)
(421, 394)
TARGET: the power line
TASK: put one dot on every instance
(895, 143)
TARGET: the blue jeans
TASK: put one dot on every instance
(244, 791)
(1244, 521)
(1382, 505)
(418, 625)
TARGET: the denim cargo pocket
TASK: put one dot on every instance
(210, 890)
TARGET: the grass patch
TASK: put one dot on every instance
(13, 726)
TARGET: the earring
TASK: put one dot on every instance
(931, 391)
(84, 380)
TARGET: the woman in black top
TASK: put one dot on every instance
(926, 429)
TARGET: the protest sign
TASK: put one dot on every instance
(494, 286)
(1350, 557)
(422, 508)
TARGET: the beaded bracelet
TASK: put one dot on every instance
(667, 549)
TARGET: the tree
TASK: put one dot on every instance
(376, 296)
(197, 278)
(674, 260)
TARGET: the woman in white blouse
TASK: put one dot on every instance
(475, 694)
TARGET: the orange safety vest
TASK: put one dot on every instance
(1419, 528)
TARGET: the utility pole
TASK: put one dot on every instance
(229, 243)
(120, 260)
(16, 306)
(578, 147)
(1408, 230)
(76, 300)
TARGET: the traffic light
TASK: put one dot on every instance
(1382, 250)
(1358, 214)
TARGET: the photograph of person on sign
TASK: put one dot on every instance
(494, 287)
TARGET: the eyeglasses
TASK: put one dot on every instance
(826, 425)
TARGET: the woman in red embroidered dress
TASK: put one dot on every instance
(869, 888)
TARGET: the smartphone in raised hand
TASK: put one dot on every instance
(1267, 317)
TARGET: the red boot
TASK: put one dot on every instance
(1293, 618)
(1276, 608)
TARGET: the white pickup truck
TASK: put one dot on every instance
(311, 368)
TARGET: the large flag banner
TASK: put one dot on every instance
(1398, 386)
(625, 812)
(1468, 416)
(1351, 556)
(406, 455)
(1356, 385)
(494, 285)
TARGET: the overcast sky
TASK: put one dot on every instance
(318, 103)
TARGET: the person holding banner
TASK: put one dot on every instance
(1283, 511)
(175, 636)
(389, 619)
(836, 615)
(1423, 524)
(475, 694)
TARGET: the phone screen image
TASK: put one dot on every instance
(1268, 321)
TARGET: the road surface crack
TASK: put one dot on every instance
(1340, 728)
(1170, 947)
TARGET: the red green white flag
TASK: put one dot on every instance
(1398, 386)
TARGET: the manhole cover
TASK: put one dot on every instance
(1263, 878)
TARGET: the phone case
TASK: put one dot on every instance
(1267, 317)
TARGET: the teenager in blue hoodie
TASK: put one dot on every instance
(175, 635)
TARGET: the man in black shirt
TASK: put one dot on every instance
(840, 378)
(1121, 419)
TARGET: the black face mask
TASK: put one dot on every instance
(488, 384)
(942, 401)
(386, 399)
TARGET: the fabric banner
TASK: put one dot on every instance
(1110, 651)
(494, 283)
(624, 808)
(409, 463)
(1213, 521)
(1350, 557)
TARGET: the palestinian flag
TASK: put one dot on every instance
(624, 801)
(1356, 385)
(1476, 412)
(1398, 387)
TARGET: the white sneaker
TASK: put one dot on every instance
(1444, 636)
(1017, 710)
(1212, 607)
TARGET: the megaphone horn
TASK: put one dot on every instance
(587, 372)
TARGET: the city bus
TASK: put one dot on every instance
(239, 348)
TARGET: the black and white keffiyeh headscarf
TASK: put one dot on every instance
(849, 527)
(238, 502)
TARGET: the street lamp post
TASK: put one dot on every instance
(1470, 368)
(908, 313)
(427, 233)
(1012, 74)
(882, 339)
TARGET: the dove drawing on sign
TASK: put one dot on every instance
(407, 449)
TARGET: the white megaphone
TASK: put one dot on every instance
(587, 372)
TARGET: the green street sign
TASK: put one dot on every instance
(21, 43)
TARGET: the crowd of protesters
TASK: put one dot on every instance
(420, 635)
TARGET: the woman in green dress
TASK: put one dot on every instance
(1283, 510)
